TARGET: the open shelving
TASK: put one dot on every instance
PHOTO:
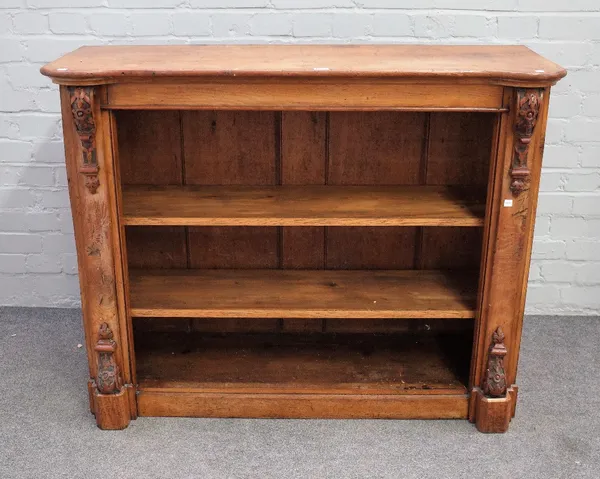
(266, 255)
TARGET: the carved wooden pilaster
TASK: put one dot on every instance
(88, 154)
(81, 100)
(108, 378)
(528, 108)
(494, 381)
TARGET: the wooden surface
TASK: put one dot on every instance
(493, 415)
(317, 94)
(303, 206)
(303, 376)
(112, 411)
(507, 253)
(500, 62)
(302, 294)
(305, 363)
(98, 254)
(184, 403)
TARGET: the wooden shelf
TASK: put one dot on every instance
(302, 294)
(303, 206)
(304, 363)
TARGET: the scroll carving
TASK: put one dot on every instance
(108, 380)
(494, 382)
(81, 106)
(528, 108)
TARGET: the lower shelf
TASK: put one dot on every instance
(303, 294)
(303, 375)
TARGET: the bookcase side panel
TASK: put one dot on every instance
(509, 232)
(93, 200)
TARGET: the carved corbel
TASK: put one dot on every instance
(528, 108)
(108, 379)
(81, 99)
(494, 381)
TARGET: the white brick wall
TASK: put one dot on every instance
(37, 261)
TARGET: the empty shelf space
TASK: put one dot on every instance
(302, 294)
(304, 363)
(303, 206)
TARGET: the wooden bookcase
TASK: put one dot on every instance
(304, 231)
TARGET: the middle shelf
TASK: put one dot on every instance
(303, 206)
(303, 293)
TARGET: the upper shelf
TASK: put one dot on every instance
(107, 64)
(303, 206)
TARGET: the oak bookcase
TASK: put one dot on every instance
(304, 231)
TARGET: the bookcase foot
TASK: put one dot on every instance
(112, 411)
(493, 414)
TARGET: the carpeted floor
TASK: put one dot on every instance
(46, 430)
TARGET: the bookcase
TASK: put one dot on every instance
(304, 231)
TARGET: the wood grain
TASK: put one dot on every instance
(493, 414)
(161, 248)
(149, 147)
(303, 147)
(302, 294)
(406, 61)
(303, 161)
(229, 148)
(95, 223)
(451, 248)
(375, 148)
(370, 248)
(302, 206)
(314, 95)
(233, 247)
(459, 148)
(182, 403)
(304, 363)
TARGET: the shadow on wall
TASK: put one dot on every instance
(38, 265)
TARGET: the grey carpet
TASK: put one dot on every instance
(46, 430)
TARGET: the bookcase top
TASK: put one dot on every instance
(489, 63)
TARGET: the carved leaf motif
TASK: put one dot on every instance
(83, 117)
(108, 379)
(494, 383)
(528, 108)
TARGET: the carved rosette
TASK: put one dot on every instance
(83, 117)
(528, 109)
(108, 380)
(494, 382)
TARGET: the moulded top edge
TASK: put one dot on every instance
(110, 64)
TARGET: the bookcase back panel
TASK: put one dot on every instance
(450, 248)
(459, 148)
(345, 325)
(149, 144)
(156, 247)
(230, 147)
(376, 148)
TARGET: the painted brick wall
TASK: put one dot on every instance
(37, 260)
